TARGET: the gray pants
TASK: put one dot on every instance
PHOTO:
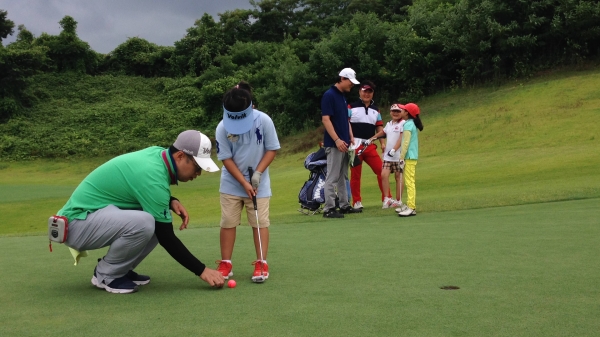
(129, 233)
(337, 174)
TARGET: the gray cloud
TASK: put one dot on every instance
(105, 24)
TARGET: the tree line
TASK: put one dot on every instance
(291, 50)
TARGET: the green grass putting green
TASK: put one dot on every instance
(508, 190)
(529, 270)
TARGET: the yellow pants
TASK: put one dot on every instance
(410, 169)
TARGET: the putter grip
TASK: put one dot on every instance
(250, 174)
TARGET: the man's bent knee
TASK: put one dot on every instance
(144, 225)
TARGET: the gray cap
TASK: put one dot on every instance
(196, 144)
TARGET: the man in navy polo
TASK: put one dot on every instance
(337, 139)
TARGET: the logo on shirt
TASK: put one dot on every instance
(259, 137)
(217, 147)
(165, 213)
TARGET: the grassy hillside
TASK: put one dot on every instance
(85, 116)
(524, 142)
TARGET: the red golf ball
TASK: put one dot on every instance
(231, 284)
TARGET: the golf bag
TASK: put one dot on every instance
(312, 193)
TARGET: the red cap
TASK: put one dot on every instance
(366, 87)
(412, 109)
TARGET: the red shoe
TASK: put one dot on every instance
(261, 271)
(225, 268)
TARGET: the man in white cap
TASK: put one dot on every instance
(337, 139)
(126, 204)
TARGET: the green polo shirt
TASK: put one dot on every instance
(138, 180)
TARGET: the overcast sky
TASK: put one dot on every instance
(105, 24)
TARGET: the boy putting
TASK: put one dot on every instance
(246, 138)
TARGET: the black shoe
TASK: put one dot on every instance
(138, 279)
(332, 213)
(349, 210)
(121, 285)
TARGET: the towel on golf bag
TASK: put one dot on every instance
(312, 193)
(316, 160)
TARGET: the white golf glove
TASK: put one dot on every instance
(401, 163)
(256, 179)
(367, 142)
(391, 152)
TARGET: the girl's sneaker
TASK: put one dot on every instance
(408, 212)
(387, 203)
(401, 208)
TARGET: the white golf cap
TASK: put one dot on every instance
(197, 145)
(349, 74)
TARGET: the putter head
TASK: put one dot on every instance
(364, 147)
(258, 279)
(261, 272)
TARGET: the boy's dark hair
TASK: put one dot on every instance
(417, 121)
(237, 99)
(244, 85)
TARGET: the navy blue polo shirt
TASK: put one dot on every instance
(333, 104)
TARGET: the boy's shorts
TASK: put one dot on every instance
(393, 166)
(231, 211)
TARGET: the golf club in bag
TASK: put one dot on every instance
(262, 278)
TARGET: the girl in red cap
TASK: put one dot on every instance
(409, 155)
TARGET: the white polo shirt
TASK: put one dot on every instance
(393, 132)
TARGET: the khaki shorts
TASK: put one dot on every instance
(231, 211)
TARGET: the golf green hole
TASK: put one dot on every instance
(449, 288)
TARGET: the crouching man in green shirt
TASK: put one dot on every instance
(125, 204)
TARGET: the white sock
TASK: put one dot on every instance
(228, 261)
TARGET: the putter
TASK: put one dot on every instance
(365, 146)
(262, 278)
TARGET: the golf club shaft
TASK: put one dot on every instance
(365, 146)
(400, 182)
(251, 173)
